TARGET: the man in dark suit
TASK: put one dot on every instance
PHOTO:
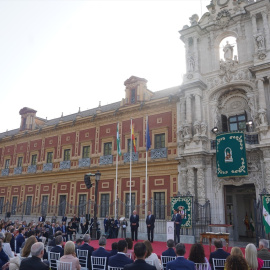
(58, 245)
(180, 262)
(150, 223)
(120, 259)
(41, 219)
(263, 252)
(134, 224)
(19, 239)
(64, 218)
(101, 252)
(86, 246)
(114, 249)
(52, 242)
(64, 231)
(219, 253)
(34, 262)
(170, 251)
(177, 225)
(140, 253)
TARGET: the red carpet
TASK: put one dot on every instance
(159, 247)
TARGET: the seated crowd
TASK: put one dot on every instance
(22, 248)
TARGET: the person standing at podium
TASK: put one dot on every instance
(177, 225)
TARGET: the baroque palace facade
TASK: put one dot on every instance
(43, 163)
(226, 89)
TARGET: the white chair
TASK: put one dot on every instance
(115, 268)
(82, 255)
(266, 264)
(48, 248)
(149, 262)
(64, 265)
(166, 259)
(201, 266)
(98, 263)
(219, 263)
(52, 258)
(129, 255)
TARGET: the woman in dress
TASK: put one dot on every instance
(150, 256)
(197, 255)
(253, 262)
(70, 256)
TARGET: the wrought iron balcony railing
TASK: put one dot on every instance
(18, 170)
(65, 165)
(159, 153)
(47, 167)
(104, 160)
(32, 169)
(5, 172)
(84, 162)
(134, 157)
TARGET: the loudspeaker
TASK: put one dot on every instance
(8, 214)
(87, 181)
(87, 216)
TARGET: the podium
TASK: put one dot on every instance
(170, 230)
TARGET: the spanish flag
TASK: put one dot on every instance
(133, 139)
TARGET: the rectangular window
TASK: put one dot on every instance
(14, 205)
(66, 154)
(128, 141)
(127, 213)
(107, 149)
(82, 205)
(62, 205)
(104, 207)
(159, 141)
(19, 164)
(1, 204)
(238, 122)
(34, 160)
(50, 157)
(7, 162)
(28, 205)
(159, 205)
(133, 96)
(86, 152)
(44, 205)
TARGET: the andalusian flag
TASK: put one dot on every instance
(118, 141)
(266, 216)
(133, 139)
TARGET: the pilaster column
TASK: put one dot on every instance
(261, 94)
(190, 181)
(188, 109)
(195, 41)
(182, 110)
(267, 175)
(183, 181)
(266, 27)
(254, 24)
(198, 115)
(201, 185)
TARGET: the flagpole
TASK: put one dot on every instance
(146, 180)
(116, 177)
(130, 158)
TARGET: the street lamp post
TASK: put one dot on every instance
(94, 230)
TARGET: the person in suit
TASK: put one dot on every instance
(34, 262)
(58, 245)
(177, 224)
(140, 263)
(150, 223)
(170, 251)
(120, 259)
(134, 224)
(82, 223)
(219, 253)
(64, 218)
(114, 249)
(41, 219)
(64, 231)
(52, 242)
(106, 224)
(101, 252)
(86, 246)
(3, 256)
(20, 239)
(54, 218)
(180, 262)
(263, 252)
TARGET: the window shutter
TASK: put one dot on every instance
(224, 123)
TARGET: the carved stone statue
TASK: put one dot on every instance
(203, 129)
(260, 41)
(262, 117)
(194, 19)
(191, 63)
(197, 127)
(228, 51)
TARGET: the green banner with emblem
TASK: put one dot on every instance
(184, 205)
(231, 155)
